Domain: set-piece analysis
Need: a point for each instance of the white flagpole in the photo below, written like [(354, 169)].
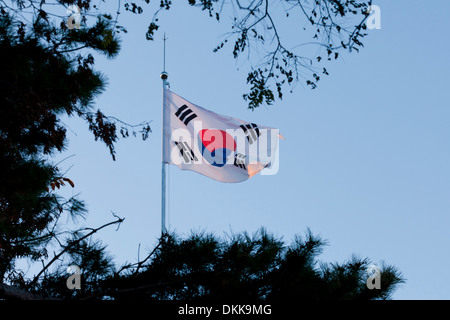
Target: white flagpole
[(164, 77)]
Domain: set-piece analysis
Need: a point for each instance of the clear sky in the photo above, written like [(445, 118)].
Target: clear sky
[(365, 163)]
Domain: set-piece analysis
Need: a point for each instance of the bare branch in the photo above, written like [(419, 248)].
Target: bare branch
[(71, 244)]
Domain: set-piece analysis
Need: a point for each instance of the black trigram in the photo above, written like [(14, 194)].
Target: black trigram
[(185, 114), (251, 131), (186, 151), (239, 160)]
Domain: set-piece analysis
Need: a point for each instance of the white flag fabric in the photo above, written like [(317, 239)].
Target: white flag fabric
[(220, 147)]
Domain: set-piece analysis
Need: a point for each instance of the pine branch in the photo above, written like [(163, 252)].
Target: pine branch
[(71, 244), (138, 264)]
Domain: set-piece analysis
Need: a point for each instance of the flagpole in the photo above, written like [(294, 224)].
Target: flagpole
[(164, 77)]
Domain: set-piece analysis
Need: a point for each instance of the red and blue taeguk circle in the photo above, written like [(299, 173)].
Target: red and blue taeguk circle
[(215, 146)]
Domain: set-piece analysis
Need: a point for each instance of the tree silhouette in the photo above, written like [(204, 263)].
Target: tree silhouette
[(47, 72), (331, 27), (204, 267)]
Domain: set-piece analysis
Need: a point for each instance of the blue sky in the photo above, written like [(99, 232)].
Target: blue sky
[(365, 163)]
